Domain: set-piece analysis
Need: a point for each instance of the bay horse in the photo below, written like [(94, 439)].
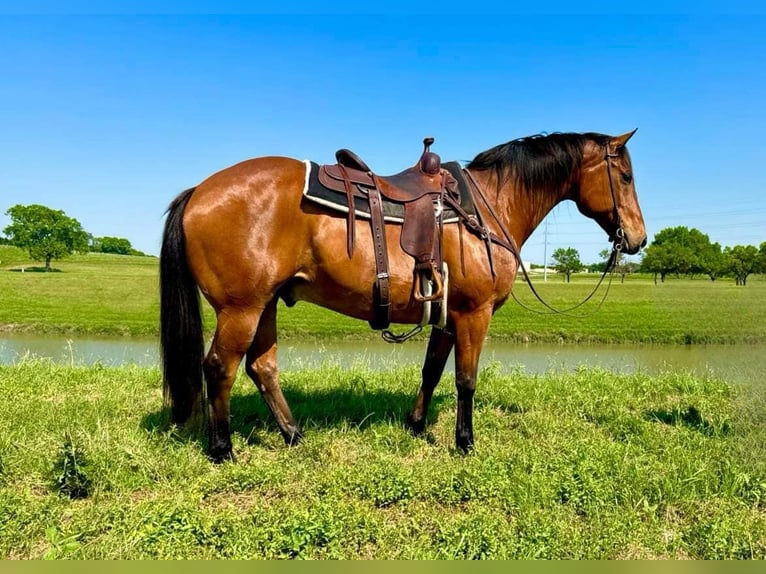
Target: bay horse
[(245, 237)]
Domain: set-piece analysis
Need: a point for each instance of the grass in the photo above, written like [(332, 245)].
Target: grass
[(93, 294), (679, 311), (101, 294), (584, 464)]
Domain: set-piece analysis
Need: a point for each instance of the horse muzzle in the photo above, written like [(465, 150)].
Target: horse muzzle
[(627, 242)]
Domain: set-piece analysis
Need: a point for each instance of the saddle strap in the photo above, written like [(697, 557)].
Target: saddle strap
[(350, 223), (381, 289)]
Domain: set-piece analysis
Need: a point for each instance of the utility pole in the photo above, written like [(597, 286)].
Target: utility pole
[(545, 253)]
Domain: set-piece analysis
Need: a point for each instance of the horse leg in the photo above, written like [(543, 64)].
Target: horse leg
[(261, 366), (234, 334), (470, 331), (439, 347)]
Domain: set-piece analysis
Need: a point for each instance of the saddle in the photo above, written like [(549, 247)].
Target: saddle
[(421, 189)]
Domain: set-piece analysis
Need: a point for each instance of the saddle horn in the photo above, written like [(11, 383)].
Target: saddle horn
[(430, 162)]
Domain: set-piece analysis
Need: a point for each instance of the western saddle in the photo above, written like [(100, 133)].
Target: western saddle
[(421, 189)]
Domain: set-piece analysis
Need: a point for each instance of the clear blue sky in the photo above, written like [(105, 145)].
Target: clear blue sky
[(108, 117)]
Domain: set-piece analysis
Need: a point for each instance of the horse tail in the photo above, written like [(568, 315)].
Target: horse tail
[(180, 319)]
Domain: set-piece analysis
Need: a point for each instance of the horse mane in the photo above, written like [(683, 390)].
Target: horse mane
[(542, 162)]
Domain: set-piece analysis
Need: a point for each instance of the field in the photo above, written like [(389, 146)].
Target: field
[(584, 464), (568, 465), (98, 294)]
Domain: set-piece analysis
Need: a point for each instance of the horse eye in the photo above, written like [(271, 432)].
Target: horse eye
[(626, 177)]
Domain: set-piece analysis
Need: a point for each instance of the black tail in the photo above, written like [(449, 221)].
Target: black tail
[(180, 318)]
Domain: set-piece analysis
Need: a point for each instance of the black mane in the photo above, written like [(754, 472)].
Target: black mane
[(539, 162)]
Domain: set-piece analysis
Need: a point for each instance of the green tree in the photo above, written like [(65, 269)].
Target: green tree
[(679, 246), (658, 260), (45, 233), (712, 261), (599, 266), (117, 245), (566, 260), (623, 264), (681, 251), (742, 260)]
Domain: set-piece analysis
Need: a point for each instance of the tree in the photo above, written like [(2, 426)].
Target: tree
[(117, 245), (600, 266), (567, 261), (712, 261), (624, 266), (45, 233), (742, 260), (658, 260), (680, 250)]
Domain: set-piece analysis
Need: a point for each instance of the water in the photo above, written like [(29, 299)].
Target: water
[(745, 363)]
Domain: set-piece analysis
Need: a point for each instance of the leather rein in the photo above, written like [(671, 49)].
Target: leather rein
[(508, 243)]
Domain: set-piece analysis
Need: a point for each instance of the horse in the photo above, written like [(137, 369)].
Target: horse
[(245, 237)]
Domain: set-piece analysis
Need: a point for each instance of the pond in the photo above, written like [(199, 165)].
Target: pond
[(741, 363)]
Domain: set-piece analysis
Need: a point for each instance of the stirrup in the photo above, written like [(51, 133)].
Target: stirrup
[(391, 337), (419, 290)]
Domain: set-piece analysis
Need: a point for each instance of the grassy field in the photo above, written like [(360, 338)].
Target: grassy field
[(586, 464), (99, 294)]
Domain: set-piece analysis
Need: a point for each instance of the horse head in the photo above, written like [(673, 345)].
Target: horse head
[(607, 192)]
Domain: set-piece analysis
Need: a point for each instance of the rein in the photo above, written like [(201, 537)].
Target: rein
[(510, 244)]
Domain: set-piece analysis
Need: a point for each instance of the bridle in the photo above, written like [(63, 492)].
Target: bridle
[(619, 234), (618, 241)]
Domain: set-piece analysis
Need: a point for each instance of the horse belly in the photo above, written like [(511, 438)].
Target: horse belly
[(345, 284)]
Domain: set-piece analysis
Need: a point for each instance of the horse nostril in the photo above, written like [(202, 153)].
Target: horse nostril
[(643, 243)]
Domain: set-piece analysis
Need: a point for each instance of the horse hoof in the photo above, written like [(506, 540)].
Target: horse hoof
[(464, 444), (416, 427), (219, 456), (293, 438)]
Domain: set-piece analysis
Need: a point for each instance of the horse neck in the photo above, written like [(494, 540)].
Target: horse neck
[(520, 210)]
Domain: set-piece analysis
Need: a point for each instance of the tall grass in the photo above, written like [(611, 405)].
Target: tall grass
[(99, 294), (583, 464)]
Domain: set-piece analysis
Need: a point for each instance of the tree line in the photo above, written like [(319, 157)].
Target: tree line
[(683, 251), (48, 234), (676, 251)]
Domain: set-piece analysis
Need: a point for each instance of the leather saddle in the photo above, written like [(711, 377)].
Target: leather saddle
[(421, 189), (409, 185)]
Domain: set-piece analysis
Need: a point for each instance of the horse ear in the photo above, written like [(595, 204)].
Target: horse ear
[(620, 141)]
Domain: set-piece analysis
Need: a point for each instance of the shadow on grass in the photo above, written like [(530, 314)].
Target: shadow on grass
[(314, 410), (34, 270), (689, 417)]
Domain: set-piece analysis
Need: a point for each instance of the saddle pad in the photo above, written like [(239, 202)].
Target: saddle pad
[(393, 212)]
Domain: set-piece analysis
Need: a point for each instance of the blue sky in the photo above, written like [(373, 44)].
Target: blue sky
[(109, 116)]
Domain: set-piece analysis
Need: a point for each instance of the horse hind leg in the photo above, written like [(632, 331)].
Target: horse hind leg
[(233, 335), (261, 366)]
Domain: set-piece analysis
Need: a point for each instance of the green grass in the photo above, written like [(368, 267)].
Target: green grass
[(99, 294), (96, 294), (679, 311), (586, 464)]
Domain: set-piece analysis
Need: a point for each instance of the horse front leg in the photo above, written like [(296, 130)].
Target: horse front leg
[(439, 347), (470, 332)]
